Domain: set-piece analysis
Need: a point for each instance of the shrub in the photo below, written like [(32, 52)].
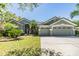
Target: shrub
[(5, 33), (77, 33), (33, 52), (1, 34), (14, 33), (9, 26)]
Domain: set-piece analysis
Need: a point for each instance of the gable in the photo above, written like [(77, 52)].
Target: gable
[(51, 20), (63, 21), (24, 21), (55, 19)]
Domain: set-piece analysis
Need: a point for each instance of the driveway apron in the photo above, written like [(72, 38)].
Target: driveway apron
[(68, 46)]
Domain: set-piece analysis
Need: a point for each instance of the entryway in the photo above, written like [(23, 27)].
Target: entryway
[(27, 29)]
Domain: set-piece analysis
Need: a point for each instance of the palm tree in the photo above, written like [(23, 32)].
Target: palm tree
[(75, 12), (33, 27)]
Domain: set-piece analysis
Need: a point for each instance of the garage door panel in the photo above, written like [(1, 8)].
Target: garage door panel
[(44, 32), (63, 32)]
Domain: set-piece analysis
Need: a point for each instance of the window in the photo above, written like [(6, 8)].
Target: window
[(68, 27), (54, 27), (64, 27), (59, 27)]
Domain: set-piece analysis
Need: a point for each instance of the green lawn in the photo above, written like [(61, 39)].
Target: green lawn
[(26, 42)]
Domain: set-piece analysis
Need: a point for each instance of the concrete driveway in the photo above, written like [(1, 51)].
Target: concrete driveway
[(69, 46)]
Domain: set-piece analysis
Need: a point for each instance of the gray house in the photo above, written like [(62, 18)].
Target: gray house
[(57, 26)]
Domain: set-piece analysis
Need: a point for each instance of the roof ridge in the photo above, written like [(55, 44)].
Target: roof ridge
[(55, 17)]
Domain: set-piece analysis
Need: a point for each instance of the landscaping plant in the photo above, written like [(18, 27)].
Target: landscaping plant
[(33, 52), (77, 33), (14, 33)]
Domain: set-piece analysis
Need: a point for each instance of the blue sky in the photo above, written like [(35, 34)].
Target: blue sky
[(46, 11)]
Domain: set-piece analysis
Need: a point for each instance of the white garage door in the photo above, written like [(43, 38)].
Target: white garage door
[(63, 31), (44, 32)]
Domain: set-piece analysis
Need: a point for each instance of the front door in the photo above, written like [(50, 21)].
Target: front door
[(27, 28)]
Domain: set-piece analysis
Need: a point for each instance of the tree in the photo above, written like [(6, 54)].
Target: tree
[(75, 12), (22, 6), (76, 22), (7, 17), (2, 8), (30, 6), (33, 27)]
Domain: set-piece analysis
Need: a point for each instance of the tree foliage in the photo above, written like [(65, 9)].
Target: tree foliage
[(33, 27), (75, 12), (30, 6), (9, 26), (76, 22), (7, 18), (14, 33), (4, 14)]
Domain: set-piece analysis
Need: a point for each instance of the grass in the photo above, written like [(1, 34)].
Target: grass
[(26, 42)]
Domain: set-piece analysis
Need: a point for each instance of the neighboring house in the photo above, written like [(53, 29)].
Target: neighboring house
[(57, 26)]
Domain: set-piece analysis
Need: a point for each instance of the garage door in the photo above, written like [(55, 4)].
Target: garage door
[(63, 31), (44, 32)]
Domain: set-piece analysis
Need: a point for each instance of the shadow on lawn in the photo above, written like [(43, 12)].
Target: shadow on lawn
[(10, 39)]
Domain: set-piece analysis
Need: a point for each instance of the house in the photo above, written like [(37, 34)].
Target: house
[(57, 26)]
